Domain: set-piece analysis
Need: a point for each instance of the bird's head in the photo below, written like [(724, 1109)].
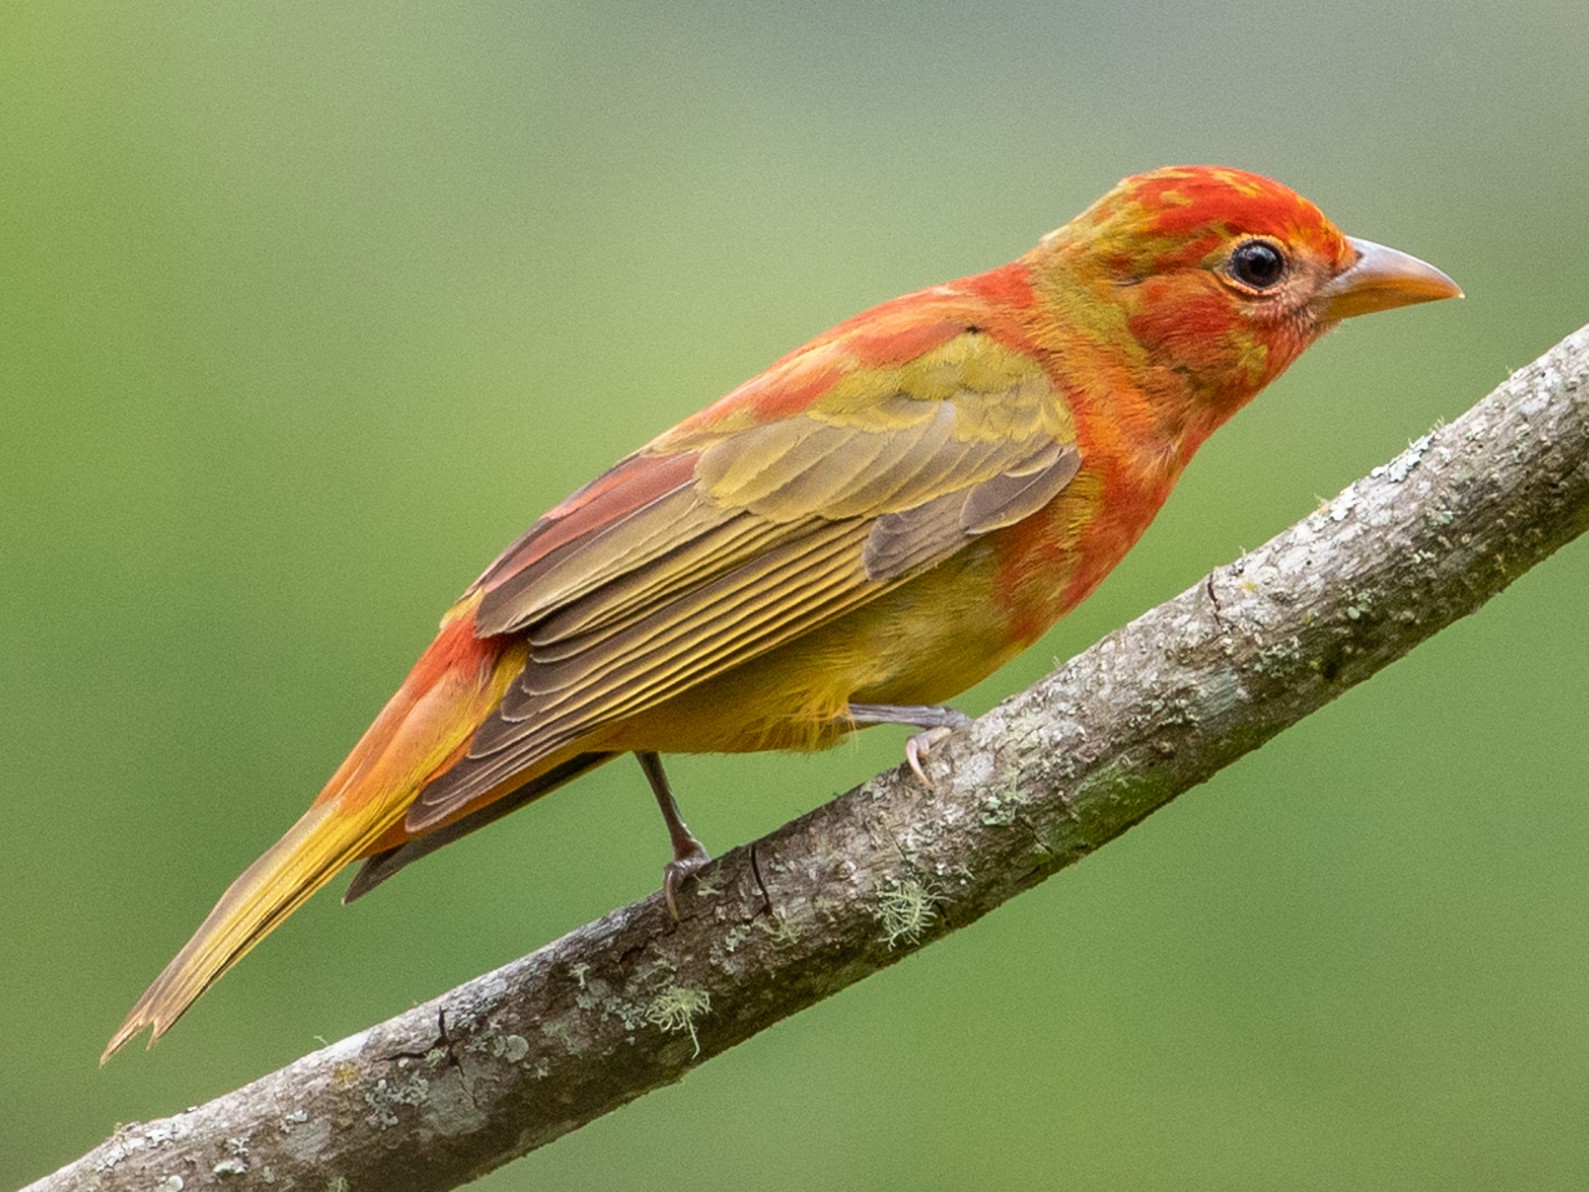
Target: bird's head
[(1223, 277)]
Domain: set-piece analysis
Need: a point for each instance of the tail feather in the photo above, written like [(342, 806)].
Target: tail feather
[(274, 886), (456, 684)]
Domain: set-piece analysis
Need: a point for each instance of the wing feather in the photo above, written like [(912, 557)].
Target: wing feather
[(644, 587), (1009, 497), (713, 644), (694, 630), (724, 539)]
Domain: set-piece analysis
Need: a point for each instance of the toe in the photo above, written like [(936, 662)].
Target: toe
[(676, 870), (919, 746)]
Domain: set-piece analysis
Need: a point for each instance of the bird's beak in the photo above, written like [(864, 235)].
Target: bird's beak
[(1381, 279)]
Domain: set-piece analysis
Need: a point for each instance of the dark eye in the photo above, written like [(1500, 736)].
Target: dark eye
[(1258, 264)]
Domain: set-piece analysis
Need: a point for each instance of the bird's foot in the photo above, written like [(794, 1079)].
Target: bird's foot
[(937, 722), (919, 746), (689, 854), (684, 864)]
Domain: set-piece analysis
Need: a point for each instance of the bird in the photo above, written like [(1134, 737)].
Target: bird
[(880, 519)]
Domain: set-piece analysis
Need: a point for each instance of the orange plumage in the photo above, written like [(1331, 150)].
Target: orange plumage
[(873, 524)]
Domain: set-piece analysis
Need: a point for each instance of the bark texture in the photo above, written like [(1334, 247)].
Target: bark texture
[(514, 1059)]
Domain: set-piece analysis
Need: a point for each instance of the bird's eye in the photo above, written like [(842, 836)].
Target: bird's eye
[(1257, 264)]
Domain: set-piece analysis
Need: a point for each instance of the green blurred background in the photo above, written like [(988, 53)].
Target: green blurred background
[(305, 310)]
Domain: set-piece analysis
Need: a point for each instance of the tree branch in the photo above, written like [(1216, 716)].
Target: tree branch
[(514, 1059)]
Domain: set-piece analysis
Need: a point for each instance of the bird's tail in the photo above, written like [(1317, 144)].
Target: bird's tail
[(422, 731), (270, 889)]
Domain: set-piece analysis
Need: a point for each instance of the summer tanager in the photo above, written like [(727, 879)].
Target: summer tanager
[(875, 523)]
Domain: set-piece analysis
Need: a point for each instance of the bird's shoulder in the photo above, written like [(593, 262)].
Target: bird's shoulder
[(966, 344)]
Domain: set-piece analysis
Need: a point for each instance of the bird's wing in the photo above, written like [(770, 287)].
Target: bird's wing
[(851, 465)]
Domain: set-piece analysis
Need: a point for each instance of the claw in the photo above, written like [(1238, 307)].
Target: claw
[(938, 723), (919, 746), (676, 870)]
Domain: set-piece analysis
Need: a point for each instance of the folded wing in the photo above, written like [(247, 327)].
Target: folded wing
[(755, 522)]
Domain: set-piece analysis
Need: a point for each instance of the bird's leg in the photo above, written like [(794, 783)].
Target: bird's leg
[(689, 855), (937, 722)]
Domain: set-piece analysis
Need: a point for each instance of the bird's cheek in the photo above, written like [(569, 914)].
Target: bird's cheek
[(1187, 329), (1277, 347)]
